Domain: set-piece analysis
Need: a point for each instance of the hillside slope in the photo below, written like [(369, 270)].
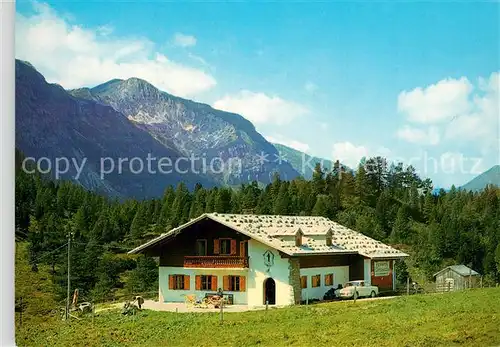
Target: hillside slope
[(467, 318), (302, 162), (194, 129), (489, 177), (52, 123)]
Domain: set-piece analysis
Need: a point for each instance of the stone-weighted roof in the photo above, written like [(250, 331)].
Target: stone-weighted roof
[(275, 231)]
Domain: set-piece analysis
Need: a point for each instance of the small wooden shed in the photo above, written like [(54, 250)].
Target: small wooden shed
[(456, 277)]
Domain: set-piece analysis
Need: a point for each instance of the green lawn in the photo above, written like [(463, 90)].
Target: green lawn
[(469, 318)]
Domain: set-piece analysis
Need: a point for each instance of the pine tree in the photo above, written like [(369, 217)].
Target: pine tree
[(322, 207), (223, 201), (400, 229), (166, 210), (282, 200), (139, 224), (428, 209), (318, 180), (198, 203), (181, 205)]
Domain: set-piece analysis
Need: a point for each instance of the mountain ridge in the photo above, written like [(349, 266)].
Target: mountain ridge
[(296, 158), (52, 124), (194, 128), (131, 118), (488, 177)]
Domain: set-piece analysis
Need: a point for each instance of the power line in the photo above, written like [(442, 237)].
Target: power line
[(104, 244), (49, 253)]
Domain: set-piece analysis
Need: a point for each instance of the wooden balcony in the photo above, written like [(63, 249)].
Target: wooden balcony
[(216, 261)]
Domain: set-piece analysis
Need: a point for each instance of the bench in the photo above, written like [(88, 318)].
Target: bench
[(228, 298)]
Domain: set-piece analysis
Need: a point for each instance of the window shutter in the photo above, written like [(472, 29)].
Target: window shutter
[(216, 246), (242, 249), (233, 247), (303, 281), (242, 284), (225, 283), (170, 281), (214, 283), (198, 282), (186, 282)]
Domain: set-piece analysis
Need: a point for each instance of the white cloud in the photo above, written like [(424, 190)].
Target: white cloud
[(419, 136), (481, 125), (436, 103), (260, 108), (466, 115), (300, 146), (74, 56), (183, 40), (349, 154), (310, 87)]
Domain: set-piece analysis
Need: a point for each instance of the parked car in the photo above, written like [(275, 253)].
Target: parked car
[(356, 289)]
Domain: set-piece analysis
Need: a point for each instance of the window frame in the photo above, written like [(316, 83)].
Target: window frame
[(303, 282), (234, 283), (206, 247), (208, 279), (176, 282), (316, 281), (298, 240), (329, 280), (221, 241)]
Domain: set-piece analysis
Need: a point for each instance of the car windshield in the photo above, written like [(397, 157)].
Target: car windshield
[(352, 284)]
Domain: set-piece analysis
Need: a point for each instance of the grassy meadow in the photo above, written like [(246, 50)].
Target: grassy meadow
[(468, 318)]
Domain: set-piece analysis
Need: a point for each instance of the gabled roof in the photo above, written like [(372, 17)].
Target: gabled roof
[(267, 229), (459, 269)]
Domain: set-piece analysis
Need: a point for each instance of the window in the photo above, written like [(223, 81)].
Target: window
[(201, 247), (303, 281), (328, 240), (206, 282), (178, 282), (316, 280), (225, 246), (329, 280), (298, 239), (234, 283)]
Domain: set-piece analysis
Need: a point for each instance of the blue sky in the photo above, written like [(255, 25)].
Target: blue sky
[(340, 80)]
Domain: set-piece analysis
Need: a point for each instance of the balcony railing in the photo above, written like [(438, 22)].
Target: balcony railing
[(229, 261)]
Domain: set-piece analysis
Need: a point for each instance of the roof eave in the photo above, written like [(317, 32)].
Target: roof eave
[(174, 231), (384, 256), (299, 254)]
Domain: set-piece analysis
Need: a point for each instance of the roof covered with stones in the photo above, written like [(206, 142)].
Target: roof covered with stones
[(275, 231)]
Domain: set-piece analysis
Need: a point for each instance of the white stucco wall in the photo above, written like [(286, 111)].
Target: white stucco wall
[(340, 276), (255, 275), (368, 271), (168, 295), (259, 272), (393, 275)]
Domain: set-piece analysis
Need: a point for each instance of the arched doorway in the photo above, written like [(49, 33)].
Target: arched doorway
[(269, 291)]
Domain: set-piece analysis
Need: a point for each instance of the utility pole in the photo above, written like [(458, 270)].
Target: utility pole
[(69, 279)]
